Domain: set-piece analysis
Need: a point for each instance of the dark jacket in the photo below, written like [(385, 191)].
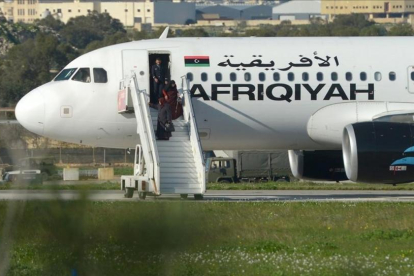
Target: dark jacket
[(159, 72), (164, 114)]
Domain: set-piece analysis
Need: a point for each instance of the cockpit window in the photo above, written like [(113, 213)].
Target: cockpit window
[(99, 75), (83, 75), (65, 74)]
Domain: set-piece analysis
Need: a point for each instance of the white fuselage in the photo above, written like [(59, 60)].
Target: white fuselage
[(272, 113)]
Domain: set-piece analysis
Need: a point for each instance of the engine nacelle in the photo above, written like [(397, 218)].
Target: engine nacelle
[(324, 165), (379, 152)]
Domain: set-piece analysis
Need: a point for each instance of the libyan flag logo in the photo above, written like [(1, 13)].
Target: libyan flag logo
[(197, 61)]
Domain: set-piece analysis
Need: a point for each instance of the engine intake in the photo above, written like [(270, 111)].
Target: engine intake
[(326, 165), (379, 152)]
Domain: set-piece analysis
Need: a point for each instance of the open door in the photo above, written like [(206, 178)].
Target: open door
[(410, 73), (136, 61)]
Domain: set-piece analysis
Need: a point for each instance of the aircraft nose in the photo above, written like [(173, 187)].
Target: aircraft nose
[(30, 111)]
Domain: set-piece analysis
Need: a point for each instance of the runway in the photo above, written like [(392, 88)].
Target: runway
[(215, 195)]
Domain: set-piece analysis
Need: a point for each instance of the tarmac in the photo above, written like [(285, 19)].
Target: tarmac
[(215, 195)]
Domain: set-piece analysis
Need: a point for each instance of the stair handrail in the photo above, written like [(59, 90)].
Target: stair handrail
[(148, 139), (189, 116)]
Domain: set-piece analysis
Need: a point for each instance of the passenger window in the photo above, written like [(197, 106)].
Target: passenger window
[(65, 74), (204, 76), (219, 77), (305, 76), (262, 77), (99, 75), (412, 76), (291, 77), (247, 77), (334, 76), (276, 77), (233, 76), (363, 76), (83, 75), (319, 76), (378, 76), (393, 76), (190, 77), (348, 76)]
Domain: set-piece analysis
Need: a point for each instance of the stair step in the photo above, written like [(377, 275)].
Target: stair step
[(169, 165), (168, 148), (179, 138), (179, 181), (181, 190), (174, 185), (177, 175), (174, 143), (177, 154), (179, 170), (176, 159)]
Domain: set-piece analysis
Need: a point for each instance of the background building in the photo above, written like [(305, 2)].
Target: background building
[(234, 12), (379, 10), (298, 10)]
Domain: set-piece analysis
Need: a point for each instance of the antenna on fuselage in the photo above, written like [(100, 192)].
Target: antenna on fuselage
[(165, 33)]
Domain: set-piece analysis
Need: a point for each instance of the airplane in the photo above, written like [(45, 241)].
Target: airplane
[(342, 106)]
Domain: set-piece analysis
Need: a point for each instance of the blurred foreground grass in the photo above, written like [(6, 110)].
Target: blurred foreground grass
[(207, 238)]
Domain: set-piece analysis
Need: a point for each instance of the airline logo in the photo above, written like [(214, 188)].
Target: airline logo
[(197, 61)]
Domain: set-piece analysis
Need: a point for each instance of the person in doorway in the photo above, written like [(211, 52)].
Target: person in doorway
[(164, 117), (170, 93), (159, 76)]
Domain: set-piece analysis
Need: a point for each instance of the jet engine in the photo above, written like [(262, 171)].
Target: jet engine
[(379, 152), (324, 165)]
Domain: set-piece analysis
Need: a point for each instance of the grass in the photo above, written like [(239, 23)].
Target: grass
[(88, 186), (211, 238)]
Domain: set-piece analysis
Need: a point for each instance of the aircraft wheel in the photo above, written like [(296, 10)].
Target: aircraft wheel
[(198, 197), (129, 192), (184, 196), (142, 195)]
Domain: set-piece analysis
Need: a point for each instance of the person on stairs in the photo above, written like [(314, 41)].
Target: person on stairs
[(164, 118), (170, 93), (159, 74)]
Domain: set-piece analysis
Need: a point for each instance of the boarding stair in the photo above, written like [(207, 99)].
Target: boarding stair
[(175, 166)]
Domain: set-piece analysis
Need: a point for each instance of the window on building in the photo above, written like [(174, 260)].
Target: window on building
[(78, 10), (138, 10), (83, 75), (219, 77), (276, 76), (69, 10), (392, 76), (59, 10), (190, 77), (100, 75), (334, 76), (247, 77), (348, 76), (305, 76), (148, 10), (319, 76), (126, 10), (262, 76), (233, 76), (291, 76), (204, 76)]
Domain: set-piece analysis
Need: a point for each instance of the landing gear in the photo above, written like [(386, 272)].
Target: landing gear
[(184, 196), (129, 192), (142, 195), (198, 197)]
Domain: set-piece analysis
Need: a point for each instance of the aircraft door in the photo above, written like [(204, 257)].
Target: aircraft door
[(136, 61), (410, 76)]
